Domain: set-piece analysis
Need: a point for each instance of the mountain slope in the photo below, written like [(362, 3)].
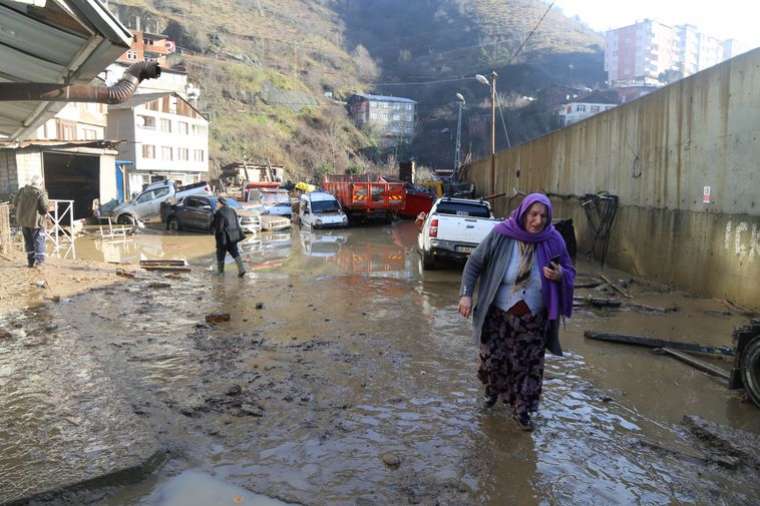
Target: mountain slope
[(265, 65)]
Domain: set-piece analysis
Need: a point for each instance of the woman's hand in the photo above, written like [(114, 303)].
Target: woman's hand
[(465, 306), (553, 272)]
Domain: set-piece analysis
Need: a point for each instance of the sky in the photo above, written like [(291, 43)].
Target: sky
[(724, 19)]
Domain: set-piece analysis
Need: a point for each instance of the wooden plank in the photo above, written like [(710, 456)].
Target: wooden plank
[(698, 364), (615, 287), (164, 262), (167, 268), (650, 342)]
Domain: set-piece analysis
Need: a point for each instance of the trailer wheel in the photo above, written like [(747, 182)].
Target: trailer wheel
[(750, 369)]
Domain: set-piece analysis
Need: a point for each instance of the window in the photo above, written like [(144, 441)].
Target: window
[(161, 192), (132, 55), (166, 125), (65, 130), (166, 153), (463, 209), (145, 197), (147, 122), (153, 105), (149, 151), (580, 108), (90, 134), (183, 154), (594, 108), (199, 155), (184, 127)]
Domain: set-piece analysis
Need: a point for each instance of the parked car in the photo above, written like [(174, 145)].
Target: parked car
[(196, 212), (453, 229), (321, 210), (280, 209), (148, 203)]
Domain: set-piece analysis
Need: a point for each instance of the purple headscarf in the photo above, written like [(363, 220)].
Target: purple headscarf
[(558, 296)]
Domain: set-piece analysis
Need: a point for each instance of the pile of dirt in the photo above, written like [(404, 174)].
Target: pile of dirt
[(56, 279)]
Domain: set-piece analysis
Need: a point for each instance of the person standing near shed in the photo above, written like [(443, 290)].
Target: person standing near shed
[(31, 203), (526, 285), (227, 233)]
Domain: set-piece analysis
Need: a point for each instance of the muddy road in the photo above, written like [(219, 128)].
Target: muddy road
[(345, 376)]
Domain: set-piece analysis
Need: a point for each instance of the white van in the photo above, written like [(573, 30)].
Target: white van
[(320, 210)]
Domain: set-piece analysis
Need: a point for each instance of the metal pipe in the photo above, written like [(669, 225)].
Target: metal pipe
[(53, 92)]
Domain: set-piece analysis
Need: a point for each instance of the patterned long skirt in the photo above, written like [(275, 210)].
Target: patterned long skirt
[(512, 359)]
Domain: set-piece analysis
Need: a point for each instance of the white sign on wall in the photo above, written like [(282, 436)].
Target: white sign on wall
[(706, 195)]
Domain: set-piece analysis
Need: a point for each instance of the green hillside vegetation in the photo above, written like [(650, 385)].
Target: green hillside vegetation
[(264, 67)]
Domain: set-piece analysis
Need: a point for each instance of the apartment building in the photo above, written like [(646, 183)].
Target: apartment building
[(165, 137), (393, 117), (652, 53)]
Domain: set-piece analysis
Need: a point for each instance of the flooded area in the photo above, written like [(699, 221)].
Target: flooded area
[(345, 376)]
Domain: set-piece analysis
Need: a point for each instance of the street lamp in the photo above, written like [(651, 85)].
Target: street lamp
[(491, 84), (458, 148)]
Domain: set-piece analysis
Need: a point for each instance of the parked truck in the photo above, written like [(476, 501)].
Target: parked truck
[(453, 229), (148, 203), (367, 196)]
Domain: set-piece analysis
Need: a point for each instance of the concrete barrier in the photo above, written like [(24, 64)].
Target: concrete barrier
[(684, 162)]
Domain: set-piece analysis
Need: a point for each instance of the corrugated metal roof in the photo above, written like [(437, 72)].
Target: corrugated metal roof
[(64, 41), (386, 98)]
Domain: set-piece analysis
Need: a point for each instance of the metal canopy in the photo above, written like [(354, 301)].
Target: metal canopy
[(66, 41)]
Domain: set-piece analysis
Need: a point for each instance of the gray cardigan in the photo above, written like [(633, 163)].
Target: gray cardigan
[(488, 263)]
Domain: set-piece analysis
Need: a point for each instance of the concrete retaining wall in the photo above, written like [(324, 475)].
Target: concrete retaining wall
[(658, 154)]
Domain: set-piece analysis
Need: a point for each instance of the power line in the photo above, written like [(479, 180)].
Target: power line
[(519, 49), (503, 123), (425, 82)]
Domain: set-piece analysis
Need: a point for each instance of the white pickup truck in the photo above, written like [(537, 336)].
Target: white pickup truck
[(453, 229)]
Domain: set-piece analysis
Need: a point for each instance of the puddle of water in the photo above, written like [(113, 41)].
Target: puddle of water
[(194, 488)]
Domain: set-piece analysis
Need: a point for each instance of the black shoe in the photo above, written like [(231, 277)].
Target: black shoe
[(490, 400), (524, 422)]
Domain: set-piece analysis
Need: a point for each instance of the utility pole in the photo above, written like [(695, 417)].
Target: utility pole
[(492, 83), (458, 148), (494, 75)]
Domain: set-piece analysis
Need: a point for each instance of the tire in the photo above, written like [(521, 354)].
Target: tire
[(428, 261), (750, 369), (125, 219), (173, 225)]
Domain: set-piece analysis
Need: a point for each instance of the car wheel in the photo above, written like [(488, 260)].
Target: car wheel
[(750, 369), (173, 225), (125, 219), (428, 261)]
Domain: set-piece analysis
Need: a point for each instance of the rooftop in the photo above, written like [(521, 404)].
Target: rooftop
[(386, 98)]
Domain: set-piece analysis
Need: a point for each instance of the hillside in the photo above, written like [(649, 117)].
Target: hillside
[(265, 66)]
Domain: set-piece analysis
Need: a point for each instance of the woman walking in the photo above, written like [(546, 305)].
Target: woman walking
[(526, 284), (227, 233)]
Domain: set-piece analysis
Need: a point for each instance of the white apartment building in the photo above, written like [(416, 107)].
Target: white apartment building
[(640, 53), (165, 138)]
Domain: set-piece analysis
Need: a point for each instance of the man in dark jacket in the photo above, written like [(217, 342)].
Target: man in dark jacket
[(31, 205), (228, 233)]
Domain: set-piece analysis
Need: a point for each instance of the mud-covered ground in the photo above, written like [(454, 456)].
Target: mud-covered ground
[(345, 376)]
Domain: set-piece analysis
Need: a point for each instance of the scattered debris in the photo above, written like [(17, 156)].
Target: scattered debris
[(217, 317), (259, 305), (41, 284), (725, 445), (651, 342), (615, 287), (696, 363), (159, 286), (125, 274), (4, 334), (596, 302), (234, 390), (172, 265), (652, 309), (391, 459)]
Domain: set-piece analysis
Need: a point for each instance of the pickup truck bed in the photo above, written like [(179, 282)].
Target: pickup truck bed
[(453, 229)]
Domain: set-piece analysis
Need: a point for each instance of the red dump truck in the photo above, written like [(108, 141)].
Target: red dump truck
[(367, 196)]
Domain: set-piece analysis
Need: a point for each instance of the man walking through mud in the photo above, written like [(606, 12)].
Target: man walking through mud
[(31, 205), (227, 233)]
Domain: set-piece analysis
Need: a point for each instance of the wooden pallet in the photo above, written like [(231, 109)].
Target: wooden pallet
[(171, 265)]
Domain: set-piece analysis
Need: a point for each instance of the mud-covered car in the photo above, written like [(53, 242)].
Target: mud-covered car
[(196, 212)]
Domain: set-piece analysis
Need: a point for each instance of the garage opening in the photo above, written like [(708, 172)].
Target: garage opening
[(73, 177)]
